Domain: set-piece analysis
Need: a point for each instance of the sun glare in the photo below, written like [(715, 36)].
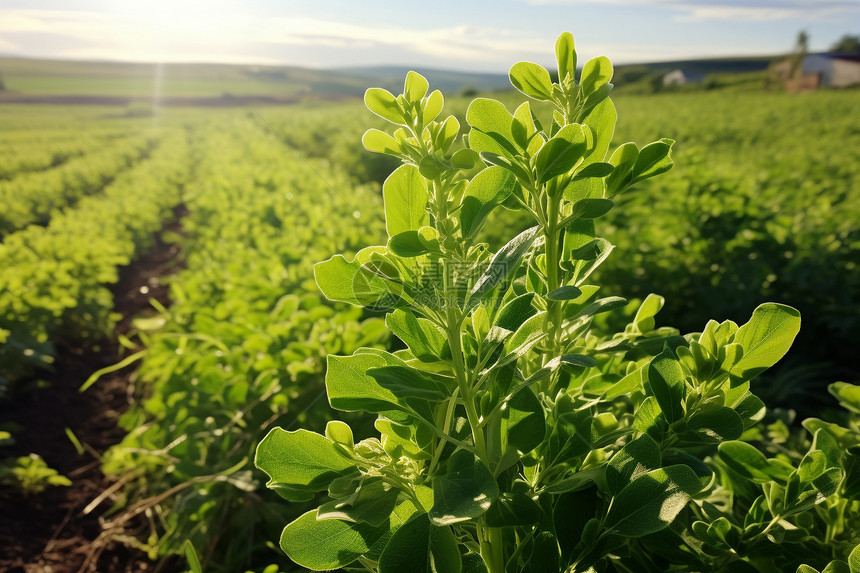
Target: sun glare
[(168, 30)]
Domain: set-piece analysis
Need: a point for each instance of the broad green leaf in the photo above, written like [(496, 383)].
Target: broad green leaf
[(847, 394), (652, 501), (837, 567), (405, 196), (746, 460), (407, 244), (712, 424), (526, 336), (339, 433), (583, 267), (578, 360), (666, 383), (806, 569), (648, 419), (634, 459), (765, 338), (447, 133), (854, 560), (516, 312), (578, 234), (424, 339), (813, 464), (351, 389), (428, 237), (600, 306), (532, 80), (465, 491), (579, 481), (380, 142), (591, 208), (503, 264), (430, 167), (515, 166), (411, 440), (596, 73), (473, 563), (561, 153), (465, 158), (513, 509), (601, 119), (565, 55), (485, 192), (624, 159), (300, 460), (632, 382), (491, 127), (415, 87), (751, 410), (822, 440), (674, 456), (523, 424), (523, 128), (433, 106), (356, 281), (384, 104), (399, 517), (406, 383), (827, 483), (570, 436), (587, 252), (644, 319), (567, 292), (420, 547), (371, 503), (653, 159), (594, 170), (594, 99), (844, 436), (326, 544)]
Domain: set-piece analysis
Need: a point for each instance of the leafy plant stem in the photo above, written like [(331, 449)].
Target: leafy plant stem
[(454, 320), (776, 519), (495, 560), (446, 428), (516, 554), (553, 314), (463, 384)]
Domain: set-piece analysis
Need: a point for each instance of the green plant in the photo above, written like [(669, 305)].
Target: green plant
[(516, 431), (241, 347), (30, 475)]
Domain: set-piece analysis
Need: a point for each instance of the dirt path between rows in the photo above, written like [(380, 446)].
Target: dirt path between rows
[(50, 533)]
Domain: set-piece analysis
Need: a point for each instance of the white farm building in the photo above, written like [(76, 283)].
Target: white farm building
[(833, 70)]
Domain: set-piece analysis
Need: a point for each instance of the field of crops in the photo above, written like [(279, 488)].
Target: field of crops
[(763, 204)]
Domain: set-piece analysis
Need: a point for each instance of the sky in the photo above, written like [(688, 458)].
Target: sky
[(468, 35)]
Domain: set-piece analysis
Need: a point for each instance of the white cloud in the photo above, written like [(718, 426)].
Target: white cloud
[(196, 32), (750, 11)]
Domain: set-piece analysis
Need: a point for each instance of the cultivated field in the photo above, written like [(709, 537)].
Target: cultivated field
[(162, 261)]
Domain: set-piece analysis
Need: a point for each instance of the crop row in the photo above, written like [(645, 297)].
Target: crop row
[(243, 345), (54, 280), (33, 198), (26, 157), (759, 207)]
